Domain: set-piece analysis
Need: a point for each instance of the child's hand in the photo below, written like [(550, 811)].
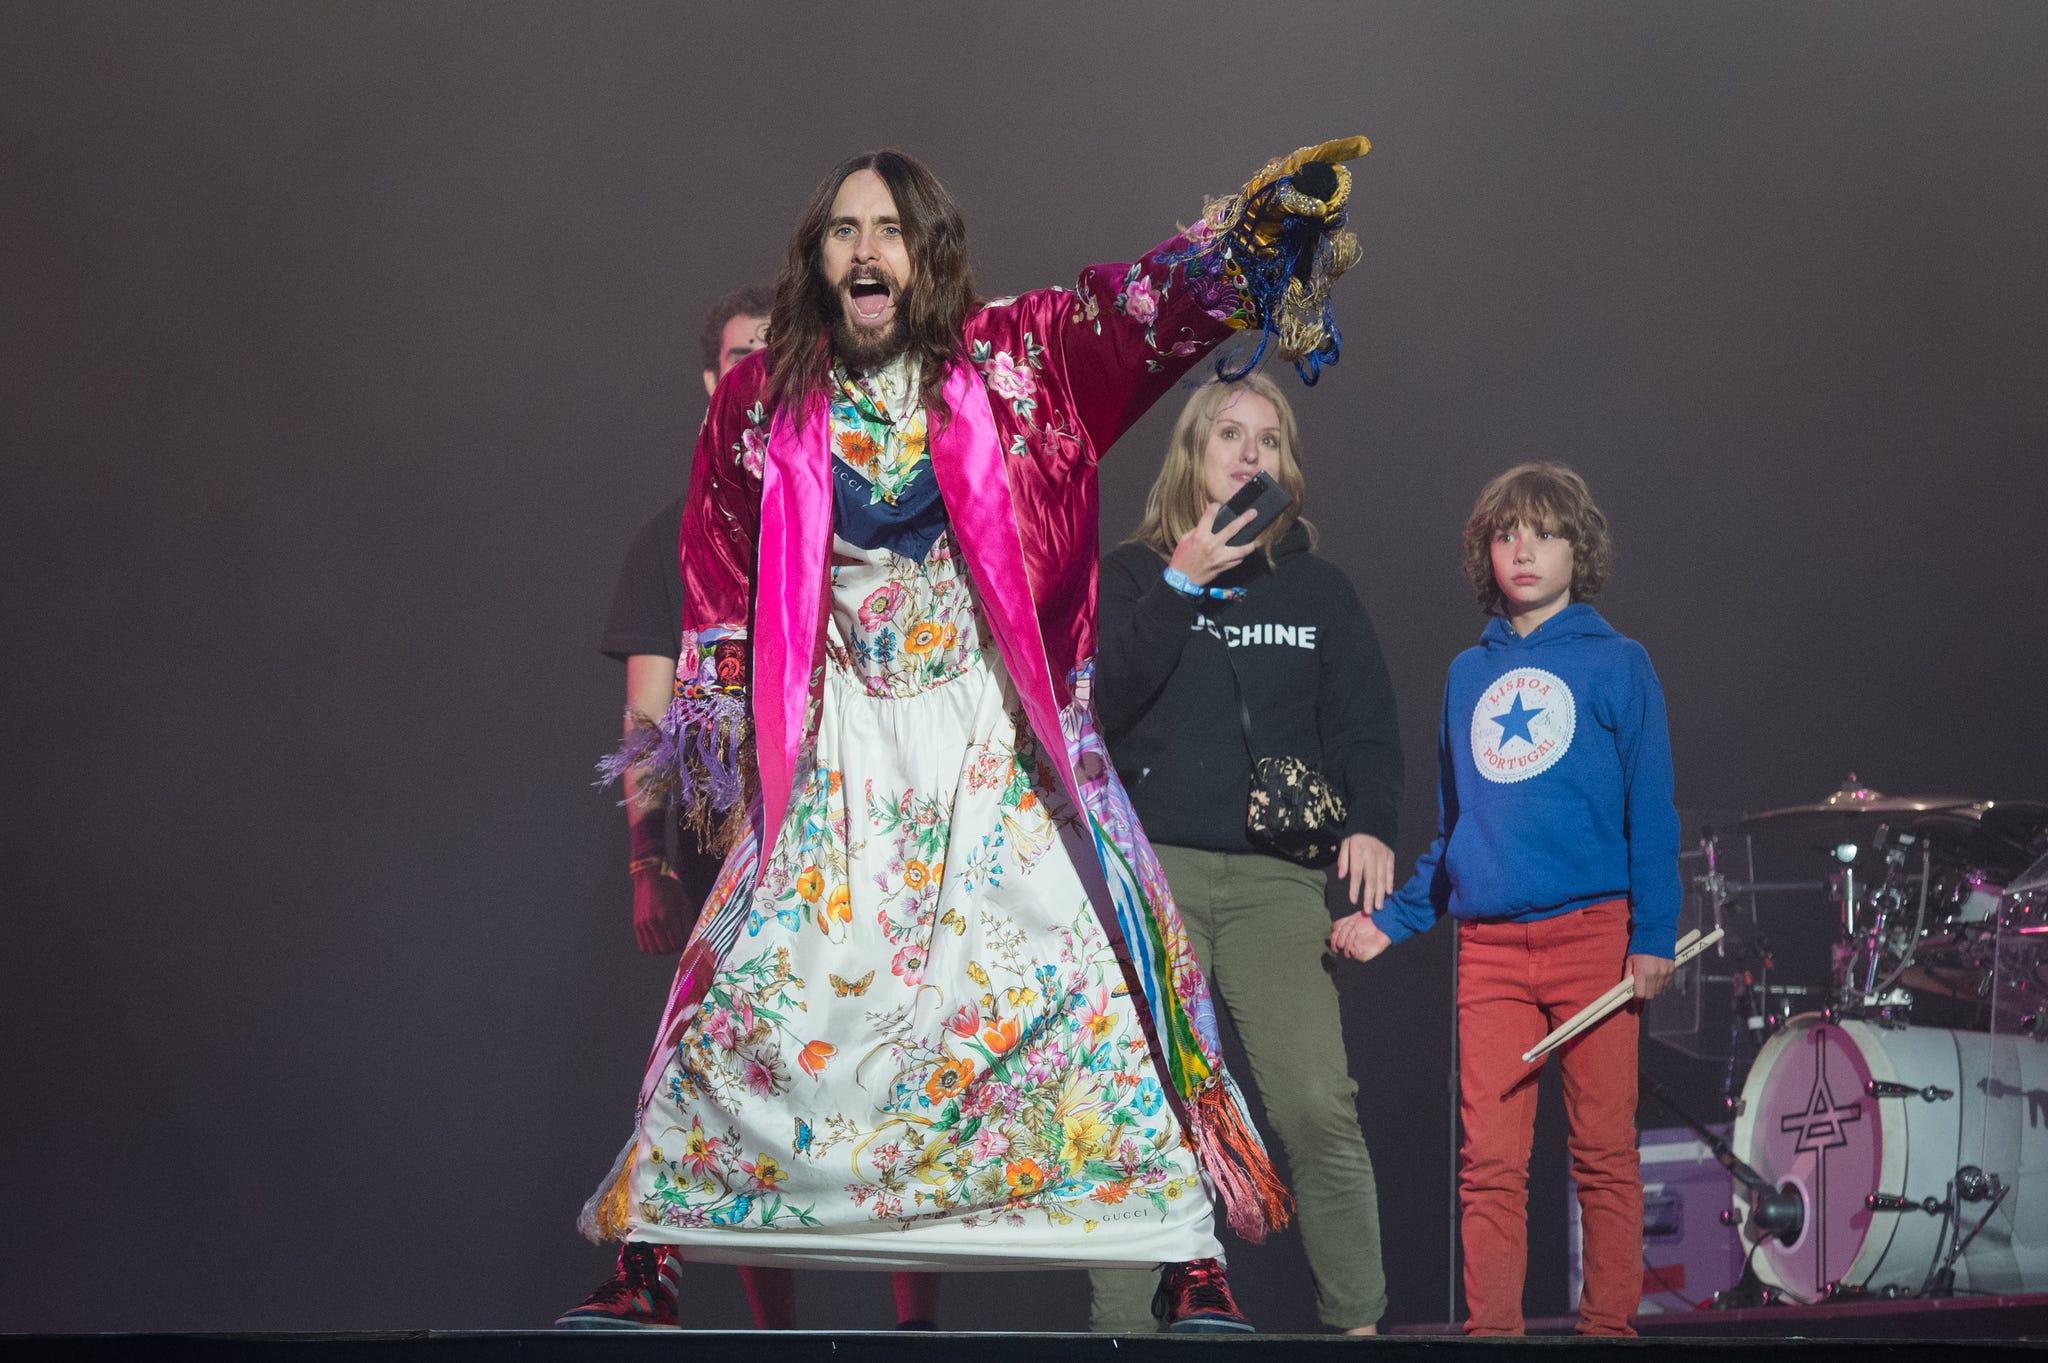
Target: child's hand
[(1358, 937), (1652, 973)]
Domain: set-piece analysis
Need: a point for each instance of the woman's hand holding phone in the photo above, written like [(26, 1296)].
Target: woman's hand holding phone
[(1205, 554)]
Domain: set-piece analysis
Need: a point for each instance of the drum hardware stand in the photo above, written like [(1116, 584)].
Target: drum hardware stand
[(1895, 860), (1757, 1009), (1749, 1010), (1970, 1184), (1749, 1290), (1871, 1000), (1892, 1011), (1715, 884), (1754, 994), (1750, 991)]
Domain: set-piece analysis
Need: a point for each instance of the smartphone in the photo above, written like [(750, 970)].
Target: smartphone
[(1260, 494)]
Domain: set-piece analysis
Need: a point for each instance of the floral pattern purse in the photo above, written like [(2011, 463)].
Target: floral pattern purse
[(1292, 810)]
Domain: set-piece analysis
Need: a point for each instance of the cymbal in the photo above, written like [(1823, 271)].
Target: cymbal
[(2022, 822), (1855, 798)]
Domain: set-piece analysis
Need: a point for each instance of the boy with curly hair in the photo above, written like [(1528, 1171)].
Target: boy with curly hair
[(1557, 852)]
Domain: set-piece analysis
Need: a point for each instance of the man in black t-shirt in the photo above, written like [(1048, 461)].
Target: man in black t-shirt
[(645, 632)]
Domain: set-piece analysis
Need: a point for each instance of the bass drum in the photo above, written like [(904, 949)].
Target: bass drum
[(1809, 1118)]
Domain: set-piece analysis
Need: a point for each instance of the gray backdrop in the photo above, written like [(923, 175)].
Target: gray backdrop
[(345, 345)]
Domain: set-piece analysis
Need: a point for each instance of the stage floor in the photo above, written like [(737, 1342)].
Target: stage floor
[(1878, 1341), (2011, 1318)]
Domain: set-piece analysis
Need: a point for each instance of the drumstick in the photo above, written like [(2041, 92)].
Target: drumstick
[(1598, 1008), (1689, 946)]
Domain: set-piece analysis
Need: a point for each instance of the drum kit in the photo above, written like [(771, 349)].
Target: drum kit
[(1891, 1134)]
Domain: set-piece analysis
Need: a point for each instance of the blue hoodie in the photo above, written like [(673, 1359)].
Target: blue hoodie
[(1554, 785)]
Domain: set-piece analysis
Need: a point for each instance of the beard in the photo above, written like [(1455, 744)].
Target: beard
[(863, 349)]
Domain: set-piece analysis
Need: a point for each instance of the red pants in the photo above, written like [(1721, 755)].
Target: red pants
[(1517, 981)]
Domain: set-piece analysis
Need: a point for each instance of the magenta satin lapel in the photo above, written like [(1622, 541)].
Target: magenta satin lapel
[(967, 456), (796, 530)]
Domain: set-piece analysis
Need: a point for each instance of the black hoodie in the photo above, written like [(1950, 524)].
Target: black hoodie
[(1313, 679)]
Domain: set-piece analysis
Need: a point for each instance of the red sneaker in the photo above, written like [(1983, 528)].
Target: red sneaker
[(640, 1296), (1194, 1299)]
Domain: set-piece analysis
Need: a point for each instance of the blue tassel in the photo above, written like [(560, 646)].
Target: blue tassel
[(1264, 274)]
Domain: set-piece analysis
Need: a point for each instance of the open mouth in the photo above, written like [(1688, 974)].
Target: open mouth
[(869, 299)]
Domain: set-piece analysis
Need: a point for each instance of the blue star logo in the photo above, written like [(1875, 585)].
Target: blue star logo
[(1514, 722)]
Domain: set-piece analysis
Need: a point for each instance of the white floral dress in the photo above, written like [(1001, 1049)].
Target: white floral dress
[(920, 1050)]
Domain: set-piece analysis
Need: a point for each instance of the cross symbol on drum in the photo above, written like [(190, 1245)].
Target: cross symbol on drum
[(1819, 1127)]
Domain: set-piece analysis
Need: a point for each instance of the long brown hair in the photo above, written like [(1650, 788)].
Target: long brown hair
[(1550, 497), (937, 297), (1181, 492)]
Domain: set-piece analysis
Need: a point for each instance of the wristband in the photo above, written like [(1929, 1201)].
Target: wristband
[(634, 868), (1186, 586)]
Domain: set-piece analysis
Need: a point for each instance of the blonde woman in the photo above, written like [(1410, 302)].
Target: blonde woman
[(1189, 625)]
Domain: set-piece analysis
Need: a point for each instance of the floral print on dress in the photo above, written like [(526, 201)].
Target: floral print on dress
[(878, 428), (810, 884), (914, 627), (924, 1016), (1036, 1095)]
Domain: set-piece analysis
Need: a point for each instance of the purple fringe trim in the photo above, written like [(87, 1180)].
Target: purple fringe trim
[(719, 721), (708, 727)]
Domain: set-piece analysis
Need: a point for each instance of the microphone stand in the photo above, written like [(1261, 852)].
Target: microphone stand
[(1779, 1213)]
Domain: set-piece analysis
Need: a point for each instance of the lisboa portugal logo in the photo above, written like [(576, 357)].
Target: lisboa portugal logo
[(1522, 724)]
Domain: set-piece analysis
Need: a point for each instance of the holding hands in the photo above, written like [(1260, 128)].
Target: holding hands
[(1365, 867), (1358, 937)]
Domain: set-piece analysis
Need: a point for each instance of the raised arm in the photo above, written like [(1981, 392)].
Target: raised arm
[(1261, 259)]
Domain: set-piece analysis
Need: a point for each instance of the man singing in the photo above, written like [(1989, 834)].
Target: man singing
[(938, 1011)]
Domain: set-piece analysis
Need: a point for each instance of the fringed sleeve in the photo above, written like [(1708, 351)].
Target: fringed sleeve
[(1281, 243), (699, 756)]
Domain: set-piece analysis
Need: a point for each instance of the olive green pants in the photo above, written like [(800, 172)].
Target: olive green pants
[(1260, 927)]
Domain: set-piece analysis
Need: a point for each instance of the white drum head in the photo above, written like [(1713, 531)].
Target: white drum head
[(1809, 1120)]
